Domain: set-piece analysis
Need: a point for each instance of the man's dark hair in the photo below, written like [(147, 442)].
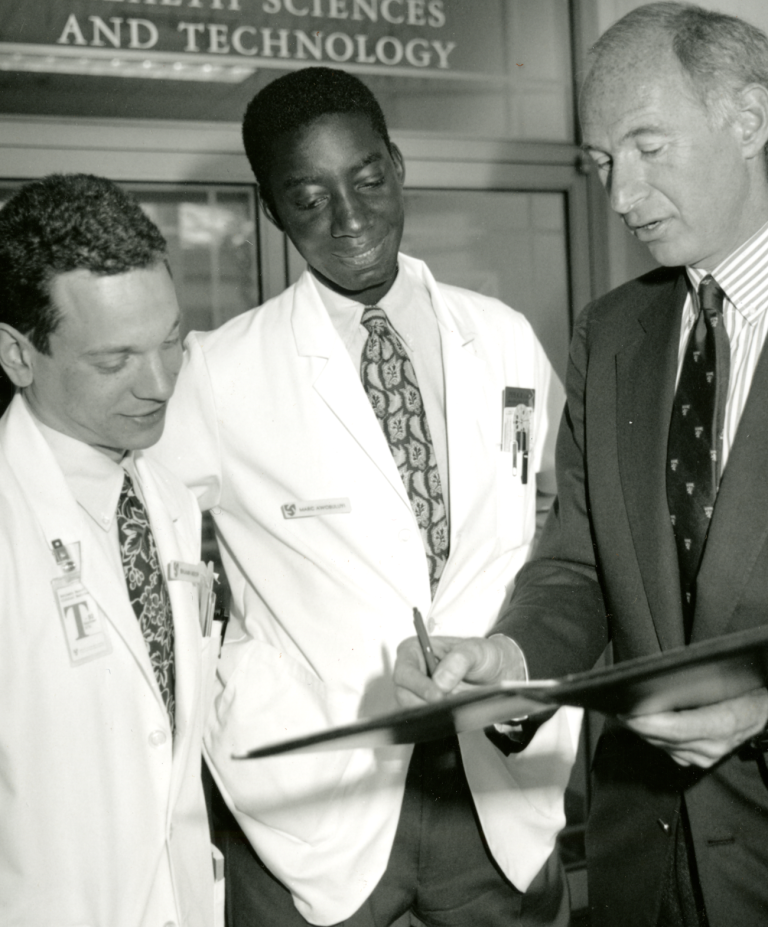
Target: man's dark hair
[(295, 100), (61, 223)]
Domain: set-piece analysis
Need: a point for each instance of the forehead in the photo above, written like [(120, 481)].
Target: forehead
[(622, 101), (335, 141), (105, 310)]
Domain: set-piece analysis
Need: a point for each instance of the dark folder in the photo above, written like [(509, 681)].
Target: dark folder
[(686, 677)]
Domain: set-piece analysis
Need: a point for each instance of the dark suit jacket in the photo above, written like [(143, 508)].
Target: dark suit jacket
[(606, 569)]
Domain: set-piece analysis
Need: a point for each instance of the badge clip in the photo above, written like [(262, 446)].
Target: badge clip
[(63, 557)]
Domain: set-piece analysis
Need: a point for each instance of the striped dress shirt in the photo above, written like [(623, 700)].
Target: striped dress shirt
[(743, 277)]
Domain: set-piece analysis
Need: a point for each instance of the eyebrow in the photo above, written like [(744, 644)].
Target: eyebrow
[(128, 348), (633, 133), (310, 180)]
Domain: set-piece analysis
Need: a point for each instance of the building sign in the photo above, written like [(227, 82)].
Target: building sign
[(230, 39)]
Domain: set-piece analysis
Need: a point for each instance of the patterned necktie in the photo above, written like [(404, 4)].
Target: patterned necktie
[(390, 383), (696, 439), (147, 590)]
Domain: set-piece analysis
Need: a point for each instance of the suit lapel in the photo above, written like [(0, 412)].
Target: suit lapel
[(336, 381), (59, 516), (739, 528), (646, 370)]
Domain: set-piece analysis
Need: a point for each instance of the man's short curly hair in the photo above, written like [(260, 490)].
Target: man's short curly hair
[(61, 223), (295, 100)]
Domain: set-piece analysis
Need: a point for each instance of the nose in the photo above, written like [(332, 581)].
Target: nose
[(349, 218), (626, 185), (158, 375)]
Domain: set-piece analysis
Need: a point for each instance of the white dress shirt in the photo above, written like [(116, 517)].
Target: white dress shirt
[(743, 277)]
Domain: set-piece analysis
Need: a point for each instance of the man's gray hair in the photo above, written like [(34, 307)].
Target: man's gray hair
[(720, 54)]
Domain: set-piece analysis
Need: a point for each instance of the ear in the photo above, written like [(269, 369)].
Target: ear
[(16, 356), (269, 211), (399, 161), (752, 120)]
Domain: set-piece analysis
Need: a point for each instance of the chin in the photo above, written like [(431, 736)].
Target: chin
[(142, 441), (668, 257)]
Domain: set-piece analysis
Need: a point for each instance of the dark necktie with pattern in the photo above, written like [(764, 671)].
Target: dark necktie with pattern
[(696, 439), (147, 590), (390, 383)]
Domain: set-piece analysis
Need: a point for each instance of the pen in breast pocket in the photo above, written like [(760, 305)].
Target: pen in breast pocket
[(426, 645)]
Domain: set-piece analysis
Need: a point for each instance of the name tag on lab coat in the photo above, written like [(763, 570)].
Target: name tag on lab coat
[(83, 624), (299, 509)]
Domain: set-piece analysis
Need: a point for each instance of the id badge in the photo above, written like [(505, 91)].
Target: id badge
[(81, 619), (83, 625)]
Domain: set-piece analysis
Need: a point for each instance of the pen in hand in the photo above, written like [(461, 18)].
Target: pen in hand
[(425, 643)]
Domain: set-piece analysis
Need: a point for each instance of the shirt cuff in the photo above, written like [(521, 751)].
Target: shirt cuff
[(514, 659)]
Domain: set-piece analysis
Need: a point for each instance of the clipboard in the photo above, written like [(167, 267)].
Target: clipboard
[(699, 674)]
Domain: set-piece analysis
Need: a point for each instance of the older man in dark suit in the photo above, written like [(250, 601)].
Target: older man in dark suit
[(660, 533)]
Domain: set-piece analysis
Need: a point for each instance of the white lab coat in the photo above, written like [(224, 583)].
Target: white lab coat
[(102, 815), (269, 411)]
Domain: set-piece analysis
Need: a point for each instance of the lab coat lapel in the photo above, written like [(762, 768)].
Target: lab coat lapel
[(337, 382), (166, 525), (645, 371), (59, 516), (465, 400)]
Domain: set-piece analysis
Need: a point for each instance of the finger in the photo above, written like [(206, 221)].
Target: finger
[(656, 727), (407, 698), (454, 667), (732, 721), (700, 753), (444, 645), (412, 685), (692, 758), (681, 759)]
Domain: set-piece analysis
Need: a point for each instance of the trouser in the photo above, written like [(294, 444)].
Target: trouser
[(440, 868)]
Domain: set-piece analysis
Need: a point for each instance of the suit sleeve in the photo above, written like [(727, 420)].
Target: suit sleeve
[(556, 613), (190, 445)]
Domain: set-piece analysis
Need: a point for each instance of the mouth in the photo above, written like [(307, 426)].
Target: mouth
[(148, 418), (361, 257), (647, 229)]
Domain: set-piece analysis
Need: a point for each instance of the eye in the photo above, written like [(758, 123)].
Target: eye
[(309, 201), (602, 164), (112, 366)]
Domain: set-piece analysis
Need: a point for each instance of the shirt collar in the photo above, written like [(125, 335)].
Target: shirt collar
[(743, 275), (406, 304), (94, 478), (345, 310)]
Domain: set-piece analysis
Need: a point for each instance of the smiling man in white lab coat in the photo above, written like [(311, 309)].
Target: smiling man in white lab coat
[(103, 668), (355, 466)]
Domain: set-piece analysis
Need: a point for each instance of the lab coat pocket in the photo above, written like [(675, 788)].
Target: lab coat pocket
[(270, 696), (515, 501)]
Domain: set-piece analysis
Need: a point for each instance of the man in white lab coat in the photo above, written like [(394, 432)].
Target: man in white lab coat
[(104, 672), (336, 521)]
